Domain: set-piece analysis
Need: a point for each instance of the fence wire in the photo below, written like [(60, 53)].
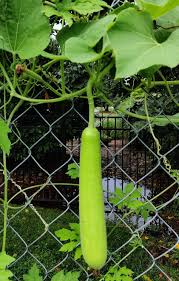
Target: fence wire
[(116, 153), (135, 230)]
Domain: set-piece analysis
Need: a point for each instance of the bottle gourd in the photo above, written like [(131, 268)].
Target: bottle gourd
[(92, 218)]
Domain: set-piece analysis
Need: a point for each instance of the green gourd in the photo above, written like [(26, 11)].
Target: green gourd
[(92, 218)]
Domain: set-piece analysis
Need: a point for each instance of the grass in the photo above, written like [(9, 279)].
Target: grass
[(29, 243)]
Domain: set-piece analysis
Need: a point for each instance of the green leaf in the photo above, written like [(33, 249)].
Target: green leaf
[(67, 32), (121, 274), (125, 271), (75, 227), (169, 20), (85, 36), (68, 247), (5, 143), (157, 8), (73, 171), (135, 204), (77, 50), (51, 11), (78, 253), (5, 260), (136, 193), (60, 276), (33, 274), (5, 275), (66, 234), (69, 276), (92, 32), (72, 235), (122, 7), (145, 210), (116, 197), (24, 29), (119, 193), (135, 47), (83, 7), (129, 187)]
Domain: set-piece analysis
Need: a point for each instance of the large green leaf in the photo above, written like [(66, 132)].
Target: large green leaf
[(157, 8), (91, 31), (135, 46), (24, 29), (79, 48), (170, 20)]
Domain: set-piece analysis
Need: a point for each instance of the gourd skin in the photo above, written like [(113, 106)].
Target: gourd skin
[(92, 218)]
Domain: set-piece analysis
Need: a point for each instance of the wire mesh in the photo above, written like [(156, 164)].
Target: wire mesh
[(135, 229)]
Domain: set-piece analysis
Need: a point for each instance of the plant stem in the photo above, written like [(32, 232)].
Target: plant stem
[(38, 186), (168, 88), (128, 254), (37, 77), (53, 57), (162, 83), (62, 77), (5, 204), (119, 223), (50, 4), (105, 71), (142, 117), (41, 101), (7, 77)]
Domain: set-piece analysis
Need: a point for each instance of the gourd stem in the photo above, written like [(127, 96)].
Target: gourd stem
[(90, 102)]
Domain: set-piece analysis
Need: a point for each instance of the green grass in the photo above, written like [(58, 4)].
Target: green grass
[(46, 249)]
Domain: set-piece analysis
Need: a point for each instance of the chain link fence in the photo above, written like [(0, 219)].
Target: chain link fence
[(38, 181), (44, 185)]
